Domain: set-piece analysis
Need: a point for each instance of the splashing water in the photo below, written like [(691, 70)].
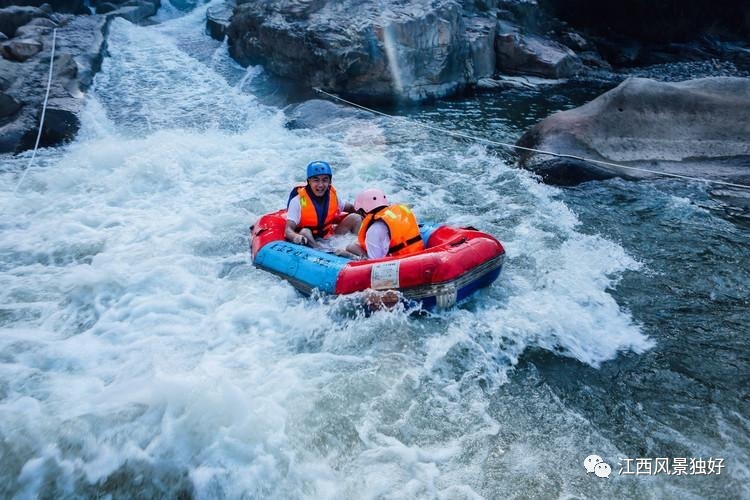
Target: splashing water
[(143, 354)]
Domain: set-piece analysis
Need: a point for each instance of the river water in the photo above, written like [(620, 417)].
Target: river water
[(142, 355)]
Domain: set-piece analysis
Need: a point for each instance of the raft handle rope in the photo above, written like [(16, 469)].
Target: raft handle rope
[(44, 110), (539, 151)]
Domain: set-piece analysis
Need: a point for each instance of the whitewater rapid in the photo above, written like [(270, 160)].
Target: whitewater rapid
[(143, 354)]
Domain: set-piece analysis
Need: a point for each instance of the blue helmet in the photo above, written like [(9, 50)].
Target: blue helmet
[(318, 168)]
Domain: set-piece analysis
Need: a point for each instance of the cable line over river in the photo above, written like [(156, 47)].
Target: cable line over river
[(523, 148)]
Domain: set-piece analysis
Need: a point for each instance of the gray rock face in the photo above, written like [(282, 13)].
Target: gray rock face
[(24, 67), (136, 12), (20, 49), (480, 35), (391, 49), (696, 127), (78, 55), (217, 19), (411, 50), (534, 55), (12, 18)]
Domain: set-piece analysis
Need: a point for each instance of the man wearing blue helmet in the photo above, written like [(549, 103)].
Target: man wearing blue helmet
[(314, 210)]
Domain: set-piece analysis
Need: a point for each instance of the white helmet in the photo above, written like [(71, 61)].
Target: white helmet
[(370, 199)]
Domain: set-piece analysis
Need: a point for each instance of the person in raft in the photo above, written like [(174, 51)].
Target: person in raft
[(314, 210), (386, 229)]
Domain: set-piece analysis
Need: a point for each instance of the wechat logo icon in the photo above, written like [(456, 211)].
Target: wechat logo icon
[(599, 467)]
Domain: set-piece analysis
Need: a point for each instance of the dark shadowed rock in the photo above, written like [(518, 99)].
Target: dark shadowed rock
[(106, 7), (20, 49), (12, 18), (217, 19), (136, 11), (531, 54), (317, 113), (696, 127), (480, 36), (78, 55), (392, 50), (79, 51), (662, 21), (65, 6), (8, 107)]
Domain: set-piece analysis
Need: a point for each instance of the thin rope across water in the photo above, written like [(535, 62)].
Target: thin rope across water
[(44, 110), (539, 151)]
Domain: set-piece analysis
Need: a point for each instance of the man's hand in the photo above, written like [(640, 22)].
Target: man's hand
[(300, 240), (344, 253)]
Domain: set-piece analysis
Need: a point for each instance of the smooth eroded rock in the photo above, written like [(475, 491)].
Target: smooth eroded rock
[(697, 127), (20, 49)]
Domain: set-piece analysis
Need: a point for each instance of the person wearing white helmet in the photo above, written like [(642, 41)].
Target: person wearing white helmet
[(314, 210), (387, 230)]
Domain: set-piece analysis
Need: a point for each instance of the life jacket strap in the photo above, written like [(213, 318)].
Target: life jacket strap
[(404, 244)]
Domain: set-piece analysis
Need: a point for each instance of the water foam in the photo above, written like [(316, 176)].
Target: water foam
[(139, 342)]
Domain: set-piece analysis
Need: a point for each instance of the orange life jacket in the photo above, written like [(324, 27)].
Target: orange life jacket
[(309, 213), (402, 225)]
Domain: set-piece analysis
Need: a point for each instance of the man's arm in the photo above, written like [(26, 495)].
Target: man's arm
[(293, 210), (291, 234)]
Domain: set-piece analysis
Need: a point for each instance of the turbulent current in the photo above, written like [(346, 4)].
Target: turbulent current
[(141, 354)]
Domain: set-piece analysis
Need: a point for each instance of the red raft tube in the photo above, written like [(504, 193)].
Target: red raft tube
[(455, 263)]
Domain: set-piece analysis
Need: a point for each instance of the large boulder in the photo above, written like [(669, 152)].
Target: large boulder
[(696, 127), (15, 16), (20, 49), (25, 60), (394, 50), (380, 51), (519, 52), (218, 17)]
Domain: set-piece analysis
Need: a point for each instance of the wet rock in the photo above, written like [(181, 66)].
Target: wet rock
[(532, 54), (8, 106), (20, 49), (61, 123), (12, 18), (136, 11), (393, 50), (592, 59), (78, 55), (480, 35), (697, 127), (44, 22), (64, 6), (217, 19), (403, 50), (106, 7), (317, 113)]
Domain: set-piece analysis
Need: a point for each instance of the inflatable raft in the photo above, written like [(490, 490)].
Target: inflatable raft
[(455, 263)]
